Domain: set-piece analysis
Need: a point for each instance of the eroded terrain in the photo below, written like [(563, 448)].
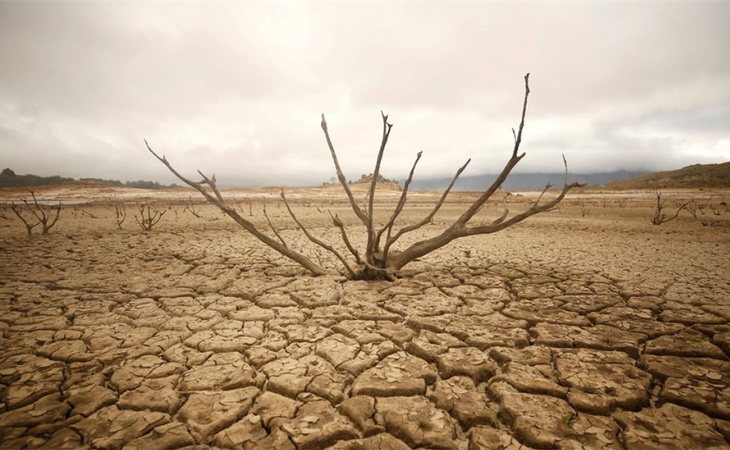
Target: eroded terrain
[(571, 330)]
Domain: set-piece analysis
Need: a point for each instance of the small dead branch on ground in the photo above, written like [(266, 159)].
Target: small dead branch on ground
[(87, 214)]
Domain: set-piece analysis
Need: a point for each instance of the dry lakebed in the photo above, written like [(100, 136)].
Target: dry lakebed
[(584, 327)]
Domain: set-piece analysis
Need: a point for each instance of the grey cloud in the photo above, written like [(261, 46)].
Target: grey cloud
[(237, 89), (710, 121)]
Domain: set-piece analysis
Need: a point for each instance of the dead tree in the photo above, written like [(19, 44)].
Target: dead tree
[(660, 216), (380, 259), (120, 214), (148, 217), (44, 215)]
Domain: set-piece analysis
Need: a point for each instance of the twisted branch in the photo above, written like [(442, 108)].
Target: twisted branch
[(217, 200), (319, 242)]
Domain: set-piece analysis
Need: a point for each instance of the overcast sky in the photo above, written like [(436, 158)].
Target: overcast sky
[(238, 89)]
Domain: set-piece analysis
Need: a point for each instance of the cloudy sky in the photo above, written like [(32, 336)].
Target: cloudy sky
[(237, 89)]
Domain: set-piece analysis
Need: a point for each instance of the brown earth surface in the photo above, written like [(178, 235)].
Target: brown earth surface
[(585, 327)]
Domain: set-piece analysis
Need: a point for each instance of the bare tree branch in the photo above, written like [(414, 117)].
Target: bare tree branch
[(120, 214), (248, 226), (430, 216), (401, 203), (341, 177), (28, 226), (35, 209), (338, 223), (514, 159), (536, 208), (505, 213), (319, 242), (273, 228), (47, 227), (370, 249), (459, 227), (660, 217)]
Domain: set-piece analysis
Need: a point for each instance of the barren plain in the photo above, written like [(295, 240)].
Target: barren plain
[(584, 327)]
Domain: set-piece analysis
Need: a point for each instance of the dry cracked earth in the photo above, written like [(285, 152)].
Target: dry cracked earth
[(563, 332)]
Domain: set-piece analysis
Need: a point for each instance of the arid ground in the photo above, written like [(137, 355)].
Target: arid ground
[(584, 327)]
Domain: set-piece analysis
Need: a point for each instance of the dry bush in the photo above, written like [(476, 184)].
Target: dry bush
[(148, 217), (34, 213), (120, 214), (380, 259), (660, 216)]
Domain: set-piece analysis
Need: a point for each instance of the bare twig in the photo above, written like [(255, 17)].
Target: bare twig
[(401, 203), (338, 223), (505, 212), (371, 192), (29, 225), (319, 242), (431, 215), (273, 228), (660, 216), (120, 214), (341, 176), (217, 200), (460, 229)]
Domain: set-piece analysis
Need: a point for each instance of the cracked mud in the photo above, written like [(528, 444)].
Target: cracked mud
[(563, 332)]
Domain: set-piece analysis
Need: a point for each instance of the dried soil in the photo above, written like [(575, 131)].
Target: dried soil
[(586, 327)]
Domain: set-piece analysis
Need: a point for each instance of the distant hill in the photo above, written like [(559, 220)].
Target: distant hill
[(8, 178), (694, 176), (522, 181)]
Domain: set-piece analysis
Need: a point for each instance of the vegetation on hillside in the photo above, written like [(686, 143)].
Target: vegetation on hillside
[(8, 178), (694, 176)]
